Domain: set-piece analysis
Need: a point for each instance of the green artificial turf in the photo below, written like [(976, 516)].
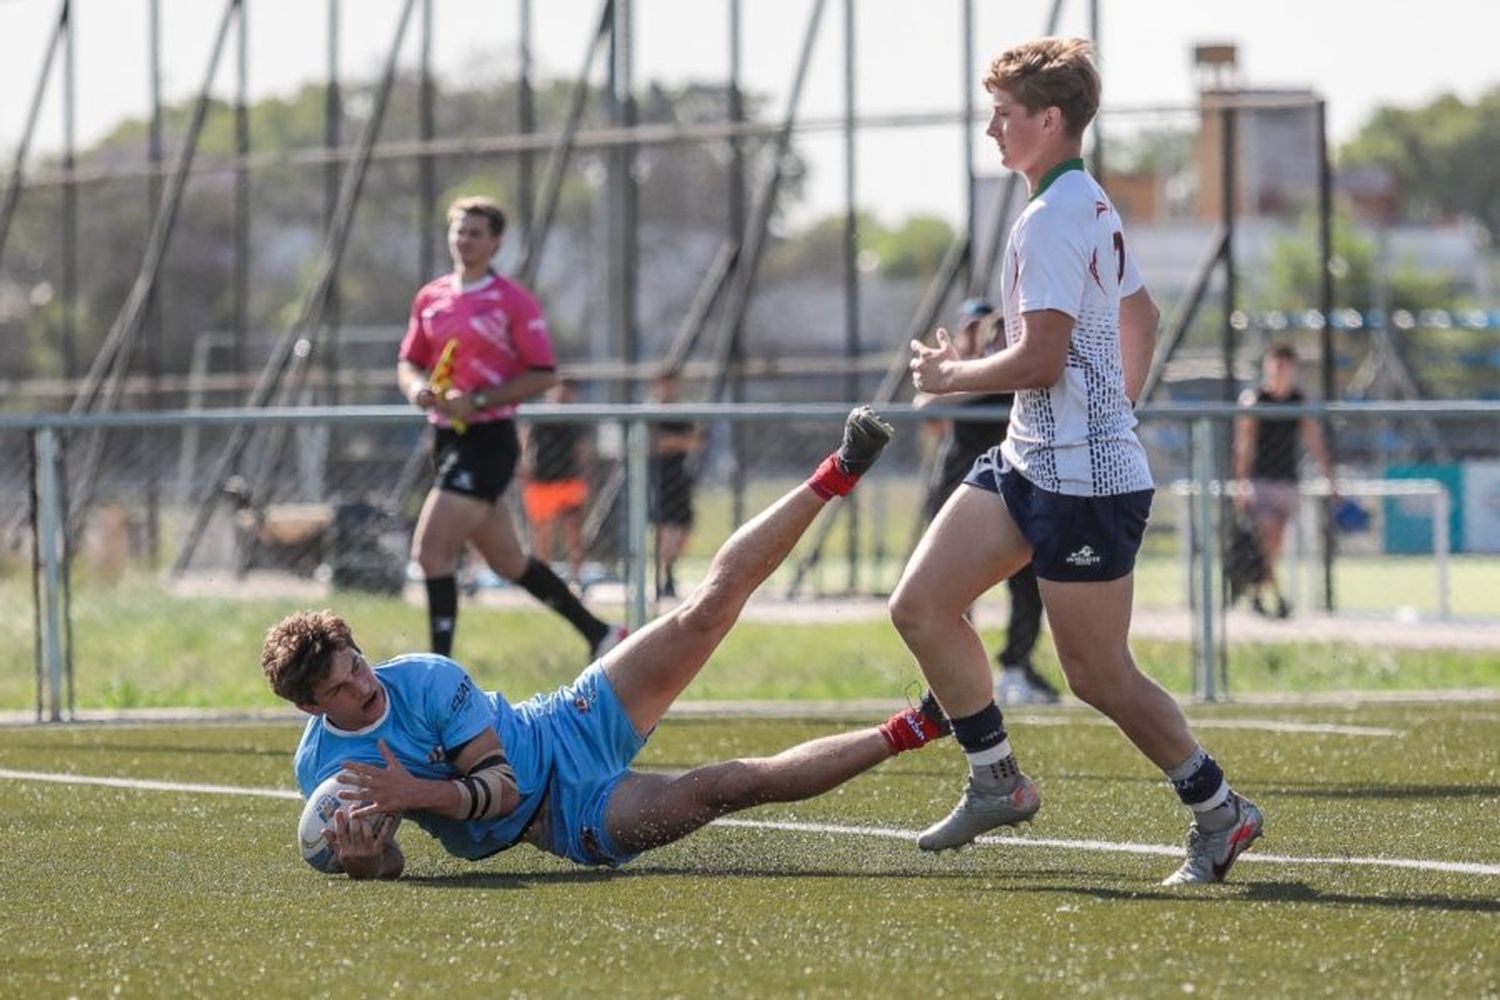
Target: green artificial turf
[(115, 891)]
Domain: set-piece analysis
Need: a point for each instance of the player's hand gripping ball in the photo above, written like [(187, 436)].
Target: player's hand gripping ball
[(317, 817)]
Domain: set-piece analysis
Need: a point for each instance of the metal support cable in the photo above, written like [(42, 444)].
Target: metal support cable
[(1185, 313), (125, 325), (562, 149), (895, 377), (108, 370), (295, 373), (13, 188), (308, 318), (738, 302)]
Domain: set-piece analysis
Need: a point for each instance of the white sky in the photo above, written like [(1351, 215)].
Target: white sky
[(1359, 53)]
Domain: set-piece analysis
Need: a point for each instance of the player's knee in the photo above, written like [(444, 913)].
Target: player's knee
[(737, 784), (1085, 687), (1099, 683), (710, 609), (911, 612), (432, 558)]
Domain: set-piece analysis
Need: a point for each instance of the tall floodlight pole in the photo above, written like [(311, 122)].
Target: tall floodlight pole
[(69, 200), (966, 98), (851, 266), (427, 128), (621, 209), (153, 318), (1096, 165), (241, 192), (1325, 335), (737, 221), (1228, 149), (526, 120), (333, 116)]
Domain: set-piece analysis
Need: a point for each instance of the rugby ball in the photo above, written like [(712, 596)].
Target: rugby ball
[(317, 816)]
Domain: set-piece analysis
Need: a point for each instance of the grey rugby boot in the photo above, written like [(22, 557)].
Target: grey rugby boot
[(978, 812), (1209, 855), (865, 437)]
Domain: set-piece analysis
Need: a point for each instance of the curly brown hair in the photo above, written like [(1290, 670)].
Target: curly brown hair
[(1050, 73), (298, 652)]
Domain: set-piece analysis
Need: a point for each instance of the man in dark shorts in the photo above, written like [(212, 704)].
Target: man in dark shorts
[(502, 356), (965, 442), (1267, 453), (674, 443), (556, 457)]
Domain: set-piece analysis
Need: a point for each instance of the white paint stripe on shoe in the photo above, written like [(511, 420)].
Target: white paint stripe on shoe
[(892, 833)]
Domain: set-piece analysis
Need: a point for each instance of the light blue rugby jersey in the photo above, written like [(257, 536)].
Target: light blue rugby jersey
[(432, 705)]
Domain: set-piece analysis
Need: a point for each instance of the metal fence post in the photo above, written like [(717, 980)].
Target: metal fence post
[(1441, 545), (1205, 496), (637, 434), (49, 546)]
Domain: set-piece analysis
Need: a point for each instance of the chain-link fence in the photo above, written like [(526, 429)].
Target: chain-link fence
[(315, 504)]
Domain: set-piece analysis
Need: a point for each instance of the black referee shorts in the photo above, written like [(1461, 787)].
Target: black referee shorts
[(478, 463)]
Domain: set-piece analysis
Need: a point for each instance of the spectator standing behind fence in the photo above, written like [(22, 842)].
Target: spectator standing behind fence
[(674, 443), (502, 355), (964, 441), (556, 463), (1267, 451)]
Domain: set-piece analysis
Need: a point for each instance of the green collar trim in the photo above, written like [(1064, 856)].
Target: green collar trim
[(1076, 163)]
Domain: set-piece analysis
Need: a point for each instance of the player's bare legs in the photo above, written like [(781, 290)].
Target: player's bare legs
[(499, 543), (1271, 525), (649, 810), (971, 545), (451, 520), (651, 668), (1090, 627), (443, 528)]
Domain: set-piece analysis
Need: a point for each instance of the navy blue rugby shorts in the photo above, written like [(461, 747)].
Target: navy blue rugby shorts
[(1073, 539)]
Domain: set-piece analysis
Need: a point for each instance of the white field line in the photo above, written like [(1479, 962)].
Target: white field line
[(1262, 725), (1121, 847), (889, 833), (752, 710), (147, 785)]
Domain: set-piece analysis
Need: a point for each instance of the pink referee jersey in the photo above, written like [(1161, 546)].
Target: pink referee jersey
[(500, 333)]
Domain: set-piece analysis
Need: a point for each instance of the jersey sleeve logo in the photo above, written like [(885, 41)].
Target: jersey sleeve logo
[(464, 690), (1094, 268), (1100, 208)]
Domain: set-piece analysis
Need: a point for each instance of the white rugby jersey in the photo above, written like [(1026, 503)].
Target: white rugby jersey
[(1067, 252)]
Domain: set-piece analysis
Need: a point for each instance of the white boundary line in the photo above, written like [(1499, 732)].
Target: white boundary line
[(148, 785), (889, 833), (737, 710), (1115, 847), (1260, 725)]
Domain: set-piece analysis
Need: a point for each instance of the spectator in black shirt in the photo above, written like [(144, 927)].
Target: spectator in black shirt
[(673, 445), (1267, 453), (556, 469), (963, 442)]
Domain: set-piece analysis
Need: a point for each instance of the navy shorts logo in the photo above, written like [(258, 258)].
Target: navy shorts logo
[(1073, 539)]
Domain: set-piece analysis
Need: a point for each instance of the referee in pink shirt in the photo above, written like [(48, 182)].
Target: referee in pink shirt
[(503, 357)]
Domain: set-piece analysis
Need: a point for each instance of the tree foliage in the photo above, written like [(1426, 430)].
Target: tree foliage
[(680, 186), (1294, 280), (1442, 155)]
